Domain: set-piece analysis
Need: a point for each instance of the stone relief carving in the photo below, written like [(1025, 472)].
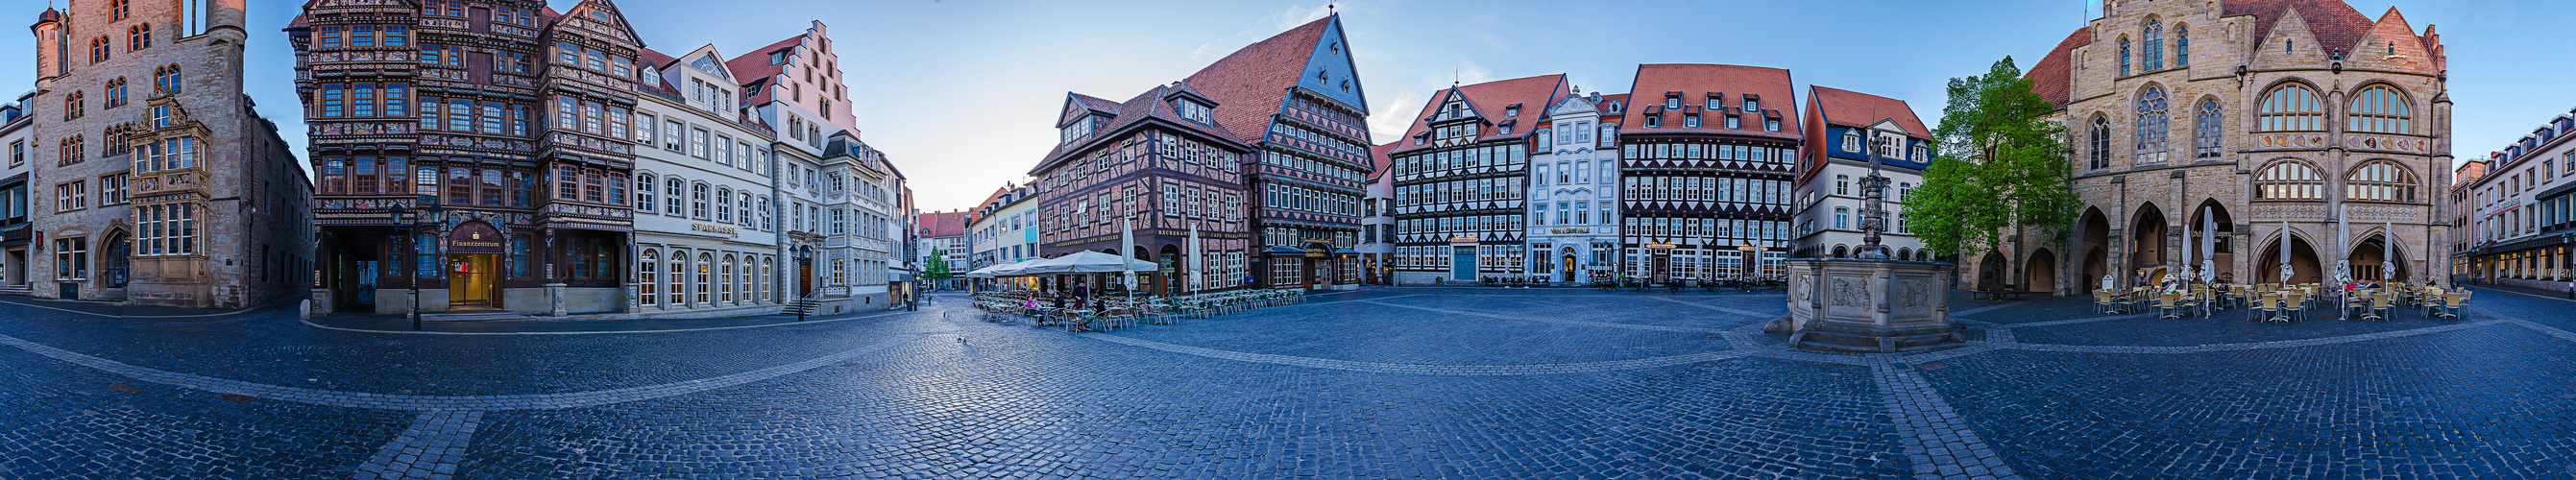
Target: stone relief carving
[(1912, 295), (1850, 292), (2294, 212)]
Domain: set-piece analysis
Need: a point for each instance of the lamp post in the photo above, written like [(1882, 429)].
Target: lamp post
[(429, 214), (804, 263), (400, 218)]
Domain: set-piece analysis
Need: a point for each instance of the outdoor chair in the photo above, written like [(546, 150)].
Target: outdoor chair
[(2295, 303), (2105, 302), (2378, 308), (2451, 304), (2265, 309)]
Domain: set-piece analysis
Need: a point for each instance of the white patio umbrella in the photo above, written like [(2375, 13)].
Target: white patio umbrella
[(1196, 262), (1084, 262), (1126, 245), (2285, 251), (2387, 251), (2183, 267), (1003, 270), (2208, 245)]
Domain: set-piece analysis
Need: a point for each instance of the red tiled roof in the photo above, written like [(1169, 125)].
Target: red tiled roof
[(655, 58), (1696, 81), (1379, 161), (1489, 100), (1855, 109), (2335, 24), (942, 224), (1606, 100), (754, 66), (2053, 77), (1146, 105), (1249, 85)]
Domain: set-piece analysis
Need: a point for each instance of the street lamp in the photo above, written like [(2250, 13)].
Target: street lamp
[(400, 218), (411, 231)]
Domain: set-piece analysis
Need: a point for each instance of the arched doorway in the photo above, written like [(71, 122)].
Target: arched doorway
[(2367, 256), (2040, 274), (2303, 263), (1565, 264), (1990, 269), (2221, 250), (2094, 239), (115, 266), (2147, 238)]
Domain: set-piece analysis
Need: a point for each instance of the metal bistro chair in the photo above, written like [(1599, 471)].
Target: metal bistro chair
[(2378, 308), (2452, 302), (2264, 309), (2294, 306), (2106, 302)]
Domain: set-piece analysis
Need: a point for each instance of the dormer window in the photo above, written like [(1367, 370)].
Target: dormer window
[(1654, 121), (1319, 77), (1851, 141), (1734, 122), (1078, 130), (1752, 103), (1690, 120), (1770, 124), (1193, 111), (1673, 102), (1512, 111), (1716, 101), (1505, 130)]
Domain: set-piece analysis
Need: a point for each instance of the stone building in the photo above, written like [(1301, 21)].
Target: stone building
[(168, 189), (1707, 152), (1463, 178), (842, 200), (999, 232), (2464, 202), (1847, 132), (706, 237), (2244, 114), (2521, 208), (942, 235)]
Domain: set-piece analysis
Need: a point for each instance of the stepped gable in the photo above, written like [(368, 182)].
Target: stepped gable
[(754, 66), (1249, 85)]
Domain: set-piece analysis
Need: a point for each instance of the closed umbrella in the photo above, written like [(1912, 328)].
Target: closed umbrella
[(2285, 251), (2208, 245), (1127, 245), (2387, 251), (1196, 262)]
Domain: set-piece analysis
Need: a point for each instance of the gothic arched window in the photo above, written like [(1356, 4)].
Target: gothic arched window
[(2101, 142), (2155, 54), (2151, 131), (2206, 127), (2182, 45), (2124, 56)]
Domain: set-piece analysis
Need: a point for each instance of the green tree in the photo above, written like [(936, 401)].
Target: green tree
[(2004, 165), (938, 266)]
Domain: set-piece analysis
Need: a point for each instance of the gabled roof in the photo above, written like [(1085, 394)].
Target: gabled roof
[(1607, 101), (1379, 161), (1855, 109), (1250, 84), (1492, 101), (754, 66), (2054, 76), (941, 224), (655, 58), (1149, 105), (2335, 25), (1695, 81)]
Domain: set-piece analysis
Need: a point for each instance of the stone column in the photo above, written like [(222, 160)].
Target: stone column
[(555, 295)]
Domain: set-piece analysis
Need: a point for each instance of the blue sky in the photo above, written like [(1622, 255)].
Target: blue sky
[(961, 94)]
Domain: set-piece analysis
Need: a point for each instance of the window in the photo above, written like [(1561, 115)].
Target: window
[(2151, 131), (111, 188), (166, 79), (119, 10), (1851, 141), (1690, 121), (138, 37), (2124, 56), (648, 273), (1842, 184), (2379, 109), (71, 259), (98, 49), (428, 182), (1842, 217), (397, 100), (2206, 129), (2182, 46), (2289, 180), (2155, 43), (672, 187), (644, 202), (2101, 142), (698, 201), (71, 196), (704, 284), (167, 229), (2380, 181), (2291, 107)]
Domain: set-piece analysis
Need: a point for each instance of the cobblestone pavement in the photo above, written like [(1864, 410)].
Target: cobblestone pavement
[(1380, 383)]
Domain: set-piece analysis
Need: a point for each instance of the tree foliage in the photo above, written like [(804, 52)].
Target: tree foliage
[(2003, 162), (938, 266)]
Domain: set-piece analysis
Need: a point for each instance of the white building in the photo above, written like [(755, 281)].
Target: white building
[(706, 239), (1574, 193), (2524, 208), (999, 232), (837, 194), (19, 143), (1377, 219), (1843, 129)]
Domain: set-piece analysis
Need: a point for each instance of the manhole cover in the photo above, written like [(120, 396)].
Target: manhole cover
[(191, 330), (852, 364), (237, 398), (129, 390), (1930, 366)]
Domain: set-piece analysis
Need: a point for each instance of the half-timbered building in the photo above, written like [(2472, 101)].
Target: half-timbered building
[(1462, 180)]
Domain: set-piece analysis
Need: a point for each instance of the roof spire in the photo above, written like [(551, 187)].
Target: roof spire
[(1328, 9)]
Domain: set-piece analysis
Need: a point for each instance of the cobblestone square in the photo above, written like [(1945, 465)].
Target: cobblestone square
[(1377, 383)]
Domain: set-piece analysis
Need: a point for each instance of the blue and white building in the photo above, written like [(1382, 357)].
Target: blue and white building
[(1574, 193)]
